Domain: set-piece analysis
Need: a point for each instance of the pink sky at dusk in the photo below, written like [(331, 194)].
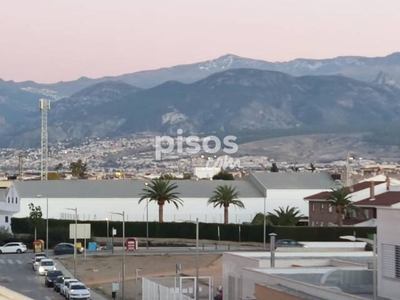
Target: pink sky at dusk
[(49, 41)]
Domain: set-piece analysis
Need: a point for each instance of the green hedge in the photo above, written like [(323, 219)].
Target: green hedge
[(59, 231)]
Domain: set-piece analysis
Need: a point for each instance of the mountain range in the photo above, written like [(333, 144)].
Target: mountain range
[(221, 96)]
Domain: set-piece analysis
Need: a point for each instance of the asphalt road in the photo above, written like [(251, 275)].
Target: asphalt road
[(16, 274)]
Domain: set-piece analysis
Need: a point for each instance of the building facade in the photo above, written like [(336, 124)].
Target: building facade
[(388, 253)]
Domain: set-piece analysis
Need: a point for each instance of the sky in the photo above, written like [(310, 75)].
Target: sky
[(49, 41)]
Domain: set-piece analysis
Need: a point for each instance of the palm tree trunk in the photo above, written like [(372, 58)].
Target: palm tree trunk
[(340, 217), (226, 215), (161, 213)]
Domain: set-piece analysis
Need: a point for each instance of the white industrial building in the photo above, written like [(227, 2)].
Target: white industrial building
[(389, 253), (95, 199)]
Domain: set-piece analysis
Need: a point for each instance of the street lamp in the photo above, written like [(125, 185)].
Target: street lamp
[(147, 220), (136, 286), (197, 257), (265, 218), (47, 224), (75, 236), (123, 251), (108, 230)]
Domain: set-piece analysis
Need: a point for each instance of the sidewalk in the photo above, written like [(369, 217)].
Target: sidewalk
[(94, 295)]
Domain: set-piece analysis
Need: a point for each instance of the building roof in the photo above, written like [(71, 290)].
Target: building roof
[(356, 188), (295, 180), (125, 188), (385, 199)]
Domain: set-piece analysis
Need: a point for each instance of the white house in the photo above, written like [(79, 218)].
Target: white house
[(9, 205), (95, 199), (388, 253)]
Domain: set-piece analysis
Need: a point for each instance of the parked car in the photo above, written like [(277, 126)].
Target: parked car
[(65, 285), (13, 247), (77, 290), (288, 243), (51, 276), (36, 263), (59, 281), (45, 265), (65, 248), (42, 254)]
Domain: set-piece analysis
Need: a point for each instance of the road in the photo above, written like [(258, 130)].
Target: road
[(16, 274)]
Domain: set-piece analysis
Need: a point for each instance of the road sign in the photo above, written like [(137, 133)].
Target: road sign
[(83, 231)]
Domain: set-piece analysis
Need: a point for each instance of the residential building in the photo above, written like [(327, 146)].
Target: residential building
[(388, 253), (9, 204), (323, 213), (298, 275)]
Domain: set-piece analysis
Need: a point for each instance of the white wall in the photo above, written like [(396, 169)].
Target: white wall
[(8, 209), (99, 209), (387, 233)]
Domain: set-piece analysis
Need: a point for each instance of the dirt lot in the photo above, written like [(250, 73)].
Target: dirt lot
[(100, 271)]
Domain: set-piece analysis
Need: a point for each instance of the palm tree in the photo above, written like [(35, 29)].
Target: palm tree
[(224, 196), (78, 168), (341, 200), (285, 217), (58, 167), (162, 191)]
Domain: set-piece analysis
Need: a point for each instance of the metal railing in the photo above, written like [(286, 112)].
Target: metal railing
[(154, 291)]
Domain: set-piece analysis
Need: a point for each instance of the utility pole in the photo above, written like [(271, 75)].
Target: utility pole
[(20, 155), (44, 105)]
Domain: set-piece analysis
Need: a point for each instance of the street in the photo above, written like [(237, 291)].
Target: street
[(16, 274)]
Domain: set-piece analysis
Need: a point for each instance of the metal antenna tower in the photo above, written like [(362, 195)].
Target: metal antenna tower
[(44, 105)]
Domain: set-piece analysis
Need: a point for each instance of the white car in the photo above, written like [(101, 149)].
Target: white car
[(77, 290), (14, 247), (45, 265), (64, 286), (35, 264)]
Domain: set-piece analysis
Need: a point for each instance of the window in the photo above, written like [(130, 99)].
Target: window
[(366, 213), (330, 208), (354, 213), (16, 200), (322, 207), (12, 200), (322, 223), (8, 199), (6, 219), (313, 206), (391, 261)]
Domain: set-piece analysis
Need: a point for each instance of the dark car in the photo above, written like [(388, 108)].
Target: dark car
[(51, 276), (59, 281), (65, 248), (288, 243)]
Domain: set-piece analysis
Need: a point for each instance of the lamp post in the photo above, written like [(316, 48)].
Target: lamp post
[(197, 259), (265, 219), (137, 287), (147, 220), (123, 251), (108, 230), (47, 224), (75, 236)]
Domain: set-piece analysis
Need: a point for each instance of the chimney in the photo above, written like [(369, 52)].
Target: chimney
[(372, 191), (387, 183)]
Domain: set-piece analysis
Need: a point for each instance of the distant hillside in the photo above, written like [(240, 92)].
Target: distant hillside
[(238, 100)]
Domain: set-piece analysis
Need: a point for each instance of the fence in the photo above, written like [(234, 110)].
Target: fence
[(154, 291)]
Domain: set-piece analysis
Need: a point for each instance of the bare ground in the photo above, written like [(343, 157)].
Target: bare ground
[(100, 271)]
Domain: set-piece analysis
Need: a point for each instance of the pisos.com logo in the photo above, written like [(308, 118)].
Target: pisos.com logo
[(192, 145)]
